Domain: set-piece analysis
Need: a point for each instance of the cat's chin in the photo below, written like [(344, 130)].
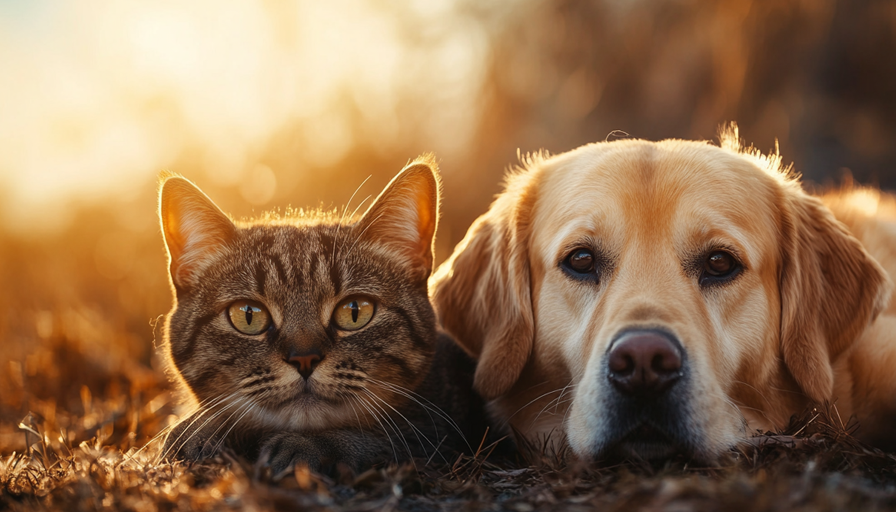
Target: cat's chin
[(306, 411), (310, 401), (320, 416)]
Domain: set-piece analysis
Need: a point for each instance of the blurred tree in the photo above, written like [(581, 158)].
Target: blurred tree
[(817, 76)]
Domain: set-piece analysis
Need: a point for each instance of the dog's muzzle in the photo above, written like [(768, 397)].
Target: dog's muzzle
[(648, 396)]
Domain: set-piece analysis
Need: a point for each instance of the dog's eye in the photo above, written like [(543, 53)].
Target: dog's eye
[(719, 266), (720, 263), (582, 261), (581, 265)]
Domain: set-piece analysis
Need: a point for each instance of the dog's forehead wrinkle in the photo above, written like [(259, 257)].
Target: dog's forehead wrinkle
[(646, 200)]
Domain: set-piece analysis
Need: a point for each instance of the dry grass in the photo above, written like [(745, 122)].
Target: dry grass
[(819, 468), (82, 391)]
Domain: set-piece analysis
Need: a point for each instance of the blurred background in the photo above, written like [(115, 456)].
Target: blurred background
[(267, 104)]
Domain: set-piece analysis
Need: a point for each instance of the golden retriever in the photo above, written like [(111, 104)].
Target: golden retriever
[(639, 299)]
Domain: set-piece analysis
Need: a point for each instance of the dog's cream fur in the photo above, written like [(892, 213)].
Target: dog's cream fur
[(805, 321)]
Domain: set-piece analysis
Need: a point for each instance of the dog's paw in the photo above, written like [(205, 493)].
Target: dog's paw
[(282, 451)]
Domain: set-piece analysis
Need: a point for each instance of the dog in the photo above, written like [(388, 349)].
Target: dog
[(636, 299)]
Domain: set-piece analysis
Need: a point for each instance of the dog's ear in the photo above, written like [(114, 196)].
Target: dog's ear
[(482, 292), (831, 290)]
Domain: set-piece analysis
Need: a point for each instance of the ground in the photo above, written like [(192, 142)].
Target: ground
[(100, 457), (83, 392)]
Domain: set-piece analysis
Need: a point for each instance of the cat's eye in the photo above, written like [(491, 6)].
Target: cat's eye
[(249, 317), (353, 313)]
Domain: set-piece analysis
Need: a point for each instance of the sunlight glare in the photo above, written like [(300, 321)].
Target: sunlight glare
[(99, 97)]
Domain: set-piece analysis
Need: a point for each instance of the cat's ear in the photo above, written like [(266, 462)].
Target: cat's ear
[(195, 229), (405, 215)]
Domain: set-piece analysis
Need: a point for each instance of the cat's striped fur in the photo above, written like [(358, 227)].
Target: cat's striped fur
[(365, 396)]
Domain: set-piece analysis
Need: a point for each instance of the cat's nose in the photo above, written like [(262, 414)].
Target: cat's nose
[(305, 362)]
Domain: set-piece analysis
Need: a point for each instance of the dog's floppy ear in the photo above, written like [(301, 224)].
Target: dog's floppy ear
[(831, 290), (482, 292)]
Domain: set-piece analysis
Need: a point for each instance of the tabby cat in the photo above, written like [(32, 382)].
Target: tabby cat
[(310, 338)]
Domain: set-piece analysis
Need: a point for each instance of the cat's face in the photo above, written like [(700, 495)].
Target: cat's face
[(303, 323)]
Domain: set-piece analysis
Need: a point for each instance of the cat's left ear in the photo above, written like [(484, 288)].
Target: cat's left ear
[(195, 229), (405, 215)]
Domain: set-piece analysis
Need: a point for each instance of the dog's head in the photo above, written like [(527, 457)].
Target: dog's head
[(648, 298)]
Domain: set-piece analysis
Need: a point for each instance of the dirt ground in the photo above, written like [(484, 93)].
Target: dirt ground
[(83, 392), (825, 470)]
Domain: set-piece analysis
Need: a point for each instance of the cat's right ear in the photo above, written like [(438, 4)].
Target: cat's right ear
[(405, 215), (194, 229)]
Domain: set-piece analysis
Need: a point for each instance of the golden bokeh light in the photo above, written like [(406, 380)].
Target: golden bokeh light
[(100, 97), (280, 105)]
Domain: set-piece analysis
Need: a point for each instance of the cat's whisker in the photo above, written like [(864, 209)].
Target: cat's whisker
[(357, 417), (391, 422), (355, 211), (408, 394), (205, 407), (342, 218), (242, 404), (360, 236), (561, 403), (418, 399), (164, 432), (428, 406), (175, 448), (178, 445), (740, 405), (273, 263), (363, 403), (251, 407), (417, 432), (345, 209), (426, 409), (387, 421)]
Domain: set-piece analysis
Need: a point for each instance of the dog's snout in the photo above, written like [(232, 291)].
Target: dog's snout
[(644, 362)]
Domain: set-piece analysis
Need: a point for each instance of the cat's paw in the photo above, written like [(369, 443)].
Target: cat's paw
[(282, 451), (186, 442)]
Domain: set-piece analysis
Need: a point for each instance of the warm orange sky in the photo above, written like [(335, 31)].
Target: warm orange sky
[(97, 97), (267, 103)]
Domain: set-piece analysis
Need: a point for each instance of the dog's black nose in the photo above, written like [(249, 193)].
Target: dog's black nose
[(644, 362)]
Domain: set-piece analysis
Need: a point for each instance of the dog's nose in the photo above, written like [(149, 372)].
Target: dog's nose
[(644, 362), (305, 362)]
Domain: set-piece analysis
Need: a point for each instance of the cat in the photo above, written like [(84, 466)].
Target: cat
[(310, 338)]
